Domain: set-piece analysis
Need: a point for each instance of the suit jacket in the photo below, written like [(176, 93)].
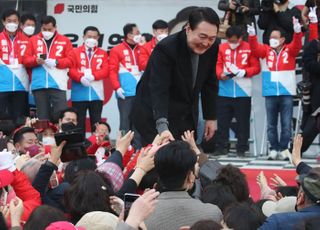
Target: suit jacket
[(166, 88), (177, 209)]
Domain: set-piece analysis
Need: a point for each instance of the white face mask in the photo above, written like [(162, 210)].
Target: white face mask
[(29, 30), (137, 38), (91, 42), (161, 36), (234, 46), (48, 141), (11, 27), (274, 43), (47, 35)]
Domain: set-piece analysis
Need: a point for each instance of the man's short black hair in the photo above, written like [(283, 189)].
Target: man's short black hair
[(201, 14), (8, 13), (48, 19), (159, 24), (173, 162), (26, 17), (70, 110), (92, 28), (128, 28), (234, 31), (18, 135), (282, 32)]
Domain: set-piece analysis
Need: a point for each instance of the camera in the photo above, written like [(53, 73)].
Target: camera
[(303, 88), (76, 144), (238, 6)]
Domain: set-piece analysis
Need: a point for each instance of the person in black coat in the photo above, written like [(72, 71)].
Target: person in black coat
[(181, 67)]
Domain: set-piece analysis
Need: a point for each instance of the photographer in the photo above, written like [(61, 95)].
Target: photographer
[(276, 14), (242, 11), (311, 61)]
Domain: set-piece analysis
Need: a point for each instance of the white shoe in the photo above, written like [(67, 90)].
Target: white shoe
[(285, 155), (272, 155)]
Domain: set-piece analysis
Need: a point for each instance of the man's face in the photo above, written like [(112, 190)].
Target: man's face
[(102, 130), (234, 40), (28, 139), (11, 19), (48, 27), (48, 133), (91, 34), (158, 32), (130, 36), (202, 37), (277, 35), (28, 23), (69, 117)]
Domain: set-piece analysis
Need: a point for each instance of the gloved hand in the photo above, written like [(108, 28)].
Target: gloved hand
[(241, 73), (313, 15), (251, 30), (120, 93), (85, 82), (234, 69), (89, 77), (7, 161), (51, 63), (296, 25)]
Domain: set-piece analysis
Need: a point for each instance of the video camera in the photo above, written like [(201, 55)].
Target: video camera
[(267, 5), (76, 145), (303, 88)]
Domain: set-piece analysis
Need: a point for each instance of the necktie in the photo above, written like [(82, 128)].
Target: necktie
[(89, 53)]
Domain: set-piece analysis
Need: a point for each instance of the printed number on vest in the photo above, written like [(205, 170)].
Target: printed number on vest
[(99, 63), (23, 49), (244, 59), (59, 50), (285, 58)]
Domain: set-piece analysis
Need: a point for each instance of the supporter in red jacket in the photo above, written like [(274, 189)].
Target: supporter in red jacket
[(125, 73), (47, 54), (160, 31), (278, 83), (89, 69), (235, 67), (14, 80)]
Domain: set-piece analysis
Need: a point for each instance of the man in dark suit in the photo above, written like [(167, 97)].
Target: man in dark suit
[(181, 67)]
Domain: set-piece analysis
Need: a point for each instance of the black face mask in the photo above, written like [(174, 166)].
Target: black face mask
[(66, 127)]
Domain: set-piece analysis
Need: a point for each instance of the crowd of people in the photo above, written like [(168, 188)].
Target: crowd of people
[(155, 176)]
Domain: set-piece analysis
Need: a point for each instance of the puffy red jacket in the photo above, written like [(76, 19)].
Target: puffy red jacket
[(145, 53), (24, 190)]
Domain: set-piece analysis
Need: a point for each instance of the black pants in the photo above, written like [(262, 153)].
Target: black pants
[(14, 105), (240, 109), (49, 103), (95, 110)]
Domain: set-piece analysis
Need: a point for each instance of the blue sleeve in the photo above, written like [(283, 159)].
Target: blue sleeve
[(270, 224)]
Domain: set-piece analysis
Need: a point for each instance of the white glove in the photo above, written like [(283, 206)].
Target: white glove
[(85, 82), (120, 93), (50, 62), (90, 77), (296, 25), (7, 161), (241, 73), (251, 30), (313, 15), (234, 69)]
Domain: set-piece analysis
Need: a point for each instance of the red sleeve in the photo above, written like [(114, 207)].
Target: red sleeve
[(219, 65), (313, 31), (257, 49), (24, 190), (143, 58), (126, 157), (104, 71), (30, 60), (74, 72), (254, 67), (130, 166), (65, 62), (114, 69), (295, 45)]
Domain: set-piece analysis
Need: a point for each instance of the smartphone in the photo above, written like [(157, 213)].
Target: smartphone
[(129, 198), (230, 75), (43, 56), (70, 138), (41, 124)]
